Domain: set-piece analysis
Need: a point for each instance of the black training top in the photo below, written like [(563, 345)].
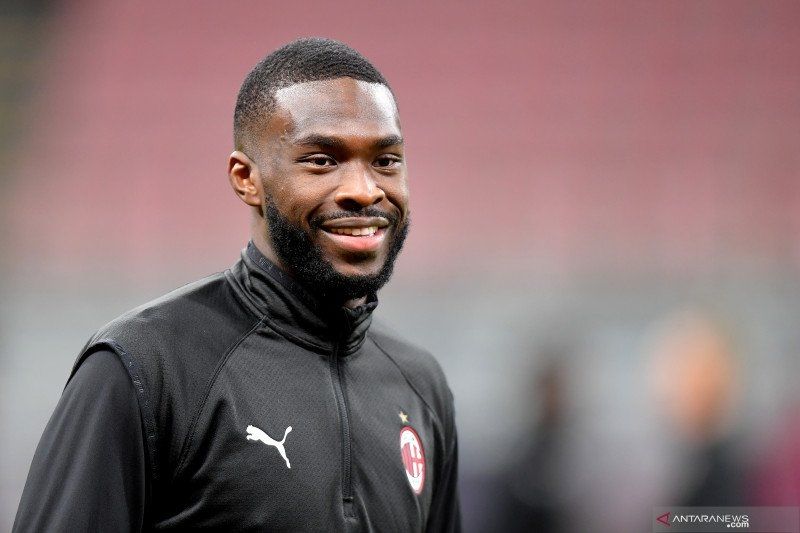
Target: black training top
[(241, 403)]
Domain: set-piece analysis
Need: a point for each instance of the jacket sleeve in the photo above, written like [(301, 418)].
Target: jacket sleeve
[(89, 472), (445, 508)]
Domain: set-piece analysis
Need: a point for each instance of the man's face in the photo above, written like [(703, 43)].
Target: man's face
[(334, 184)]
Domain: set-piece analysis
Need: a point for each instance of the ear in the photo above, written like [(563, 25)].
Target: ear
[(245, 178)]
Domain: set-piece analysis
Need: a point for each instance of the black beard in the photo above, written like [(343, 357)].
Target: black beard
[(304, 259)]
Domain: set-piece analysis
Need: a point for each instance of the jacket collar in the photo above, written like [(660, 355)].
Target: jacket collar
[(296, 313)]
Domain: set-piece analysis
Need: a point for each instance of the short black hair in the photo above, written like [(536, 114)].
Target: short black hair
[(303, 60)]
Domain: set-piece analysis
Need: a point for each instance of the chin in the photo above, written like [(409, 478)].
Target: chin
[(368, 264), (358, 271)]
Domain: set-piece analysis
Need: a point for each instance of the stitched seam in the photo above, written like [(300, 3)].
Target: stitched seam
[(182, 458), (132, 367), (410, 384)]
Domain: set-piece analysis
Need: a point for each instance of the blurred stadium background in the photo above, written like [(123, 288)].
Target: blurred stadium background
[(606, 240)]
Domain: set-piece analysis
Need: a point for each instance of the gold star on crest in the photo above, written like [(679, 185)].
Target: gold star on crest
[(403, 417)]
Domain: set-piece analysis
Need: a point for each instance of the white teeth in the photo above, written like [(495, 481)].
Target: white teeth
[(370, 230)]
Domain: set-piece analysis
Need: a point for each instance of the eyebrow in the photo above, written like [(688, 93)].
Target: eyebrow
[(391, 140), (326, 141)]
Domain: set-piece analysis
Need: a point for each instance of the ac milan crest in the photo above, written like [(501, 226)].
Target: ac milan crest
[(413, 458)]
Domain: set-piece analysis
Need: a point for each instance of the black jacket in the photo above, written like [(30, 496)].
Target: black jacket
[(247, 405)]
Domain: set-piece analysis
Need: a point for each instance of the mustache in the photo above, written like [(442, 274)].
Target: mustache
[(370, 211)]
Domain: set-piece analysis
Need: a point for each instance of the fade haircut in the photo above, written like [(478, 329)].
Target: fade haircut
[(303, 60)]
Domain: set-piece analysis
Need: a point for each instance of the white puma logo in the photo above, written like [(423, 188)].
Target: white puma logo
[(253, 433)]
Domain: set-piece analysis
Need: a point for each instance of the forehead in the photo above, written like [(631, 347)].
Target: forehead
[(341, 106)]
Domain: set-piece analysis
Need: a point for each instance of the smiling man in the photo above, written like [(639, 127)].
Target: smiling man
[(264, 398)]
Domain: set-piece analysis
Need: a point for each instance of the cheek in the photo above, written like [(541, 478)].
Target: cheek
[(301, 201), (397, 194)]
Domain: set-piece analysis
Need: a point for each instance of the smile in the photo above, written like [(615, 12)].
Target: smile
[(356, 234), (370, 230), (355, 223)]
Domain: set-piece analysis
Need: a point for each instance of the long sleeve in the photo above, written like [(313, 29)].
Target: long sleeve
[(445, 508), (89, 472)]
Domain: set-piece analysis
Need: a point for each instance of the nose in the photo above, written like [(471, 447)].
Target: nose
[(358, 190)]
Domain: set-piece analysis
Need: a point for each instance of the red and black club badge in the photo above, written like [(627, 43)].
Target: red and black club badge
[(413, 458)]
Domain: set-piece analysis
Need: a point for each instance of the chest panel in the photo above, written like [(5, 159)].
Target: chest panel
[(246, 470)]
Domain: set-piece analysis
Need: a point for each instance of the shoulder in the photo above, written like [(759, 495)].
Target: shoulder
[(198, 306), (405, 353), (100, 384), (203, 317), (172, 349), (181, 337), (418, 366)]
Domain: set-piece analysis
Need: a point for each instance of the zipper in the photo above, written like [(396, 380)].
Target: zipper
[(338, 389)]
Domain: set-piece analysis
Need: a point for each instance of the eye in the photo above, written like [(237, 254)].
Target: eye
[(387, 161), (319, 161)]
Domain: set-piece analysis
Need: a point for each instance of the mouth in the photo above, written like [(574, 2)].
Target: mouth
[(356, 234)]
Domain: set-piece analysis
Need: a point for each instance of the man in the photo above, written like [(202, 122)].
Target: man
[(263, 398)]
